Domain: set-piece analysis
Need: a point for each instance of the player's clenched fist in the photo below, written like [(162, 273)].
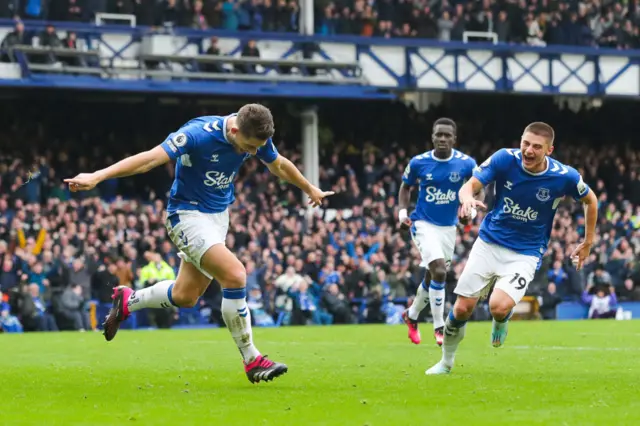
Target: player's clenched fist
[(403, 218), (83, 182)]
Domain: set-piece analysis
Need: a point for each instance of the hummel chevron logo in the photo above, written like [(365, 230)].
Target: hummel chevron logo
[(211, 127)]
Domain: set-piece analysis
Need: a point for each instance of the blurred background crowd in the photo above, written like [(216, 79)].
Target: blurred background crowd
[(611, 23), (347, 262)]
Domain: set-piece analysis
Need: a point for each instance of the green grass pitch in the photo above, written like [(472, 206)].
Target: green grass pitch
[(548, 373)]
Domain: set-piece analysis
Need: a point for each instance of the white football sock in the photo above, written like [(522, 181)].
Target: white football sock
[(420, 301), (453, 334), (237, 317), (499, 325), (156, 296), (436, 299)]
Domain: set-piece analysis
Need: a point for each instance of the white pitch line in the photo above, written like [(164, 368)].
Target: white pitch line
[(395, 344), (573, 348)]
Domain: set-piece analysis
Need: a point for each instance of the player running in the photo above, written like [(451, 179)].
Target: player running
[(515, 234), (440, 174), (209, 152)]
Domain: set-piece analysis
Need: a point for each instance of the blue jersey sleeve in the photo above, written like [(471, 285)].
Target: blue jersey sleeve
[(468, 171), (267, 153), (575, 186), (492, 167), (410, 175), (181, 142)]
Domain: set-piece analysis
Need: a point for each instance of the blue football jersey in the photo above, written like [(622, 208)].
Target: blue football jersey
[(440, 180), (525, 205), (206, 165)]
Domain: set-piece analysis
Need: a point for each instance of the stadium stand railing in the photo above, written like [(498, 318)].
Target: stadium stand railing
[(387, 65)]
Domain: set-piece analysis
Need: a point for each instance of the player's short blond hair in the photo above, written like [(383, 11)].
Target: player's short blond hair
[(541, 129)]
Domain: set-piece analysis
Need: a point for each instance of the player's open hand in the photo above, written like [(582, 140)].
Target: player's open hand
[(316, 195), (467, 207), (580, 254), (83, 182)]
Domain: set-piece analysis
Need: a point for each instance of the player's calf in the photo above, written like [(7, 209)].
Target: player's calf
[(185, 296), (231, 275), (437, 270), (455, 326)]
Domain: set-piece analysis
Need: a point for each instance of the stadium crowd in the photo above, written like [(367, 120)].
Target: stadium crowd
[(346, 263), (610, 23)]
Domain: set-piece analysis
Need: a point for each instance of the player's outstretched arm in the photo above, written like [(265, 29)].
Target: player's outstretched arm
[(285, 169), (404, 199), (134, 165), (467, 195), (581, 253)]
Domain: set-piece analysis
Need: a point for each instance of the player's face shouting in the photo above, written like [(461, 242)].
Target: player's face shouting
[(443, 138), (534, 149)]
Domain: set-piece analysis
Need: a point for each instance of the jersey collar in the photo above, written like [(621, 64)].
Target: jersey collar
[(535, 174), (443, 160)]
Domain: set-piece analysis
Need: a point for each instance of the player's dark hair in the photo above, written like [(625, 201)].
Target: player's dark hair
[(541, 129), (446, 122), (255, 121)]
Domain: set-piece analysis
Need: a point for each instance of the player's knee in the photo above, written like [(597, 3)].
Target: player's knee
[(235, 278), (500, 307), (439, 274), (463, 308)]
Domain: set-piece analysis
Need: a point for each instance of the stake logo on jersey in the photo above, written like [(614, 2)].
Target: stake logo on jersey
[(440, 181), (206, 165), (526, 203)]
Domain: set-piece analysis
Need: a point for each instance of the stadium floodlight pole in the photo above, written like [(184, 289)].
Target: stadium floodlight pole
[(309, 116), (306, 17), (310, 148)]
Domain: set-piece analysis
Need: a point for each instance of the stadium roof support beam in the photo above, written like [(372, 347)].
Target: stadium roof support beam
[(306, 17), (310, 147)]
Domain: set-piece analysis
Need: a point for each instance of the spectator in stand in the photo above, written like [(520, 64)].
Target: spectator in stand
[(44, 321), (70, 310), (168, 14), (8, 323), (198, 20), (601, 305), (49, 37), (250, 50), (16, 37), (549, 300)]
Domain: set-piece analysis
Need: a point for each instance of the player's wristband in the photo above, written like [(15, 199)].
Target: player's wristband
[(402, 215)]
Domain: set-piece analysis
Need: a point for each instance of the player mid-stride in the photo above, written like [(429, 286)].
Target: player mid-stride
[(440, 173), (515, 233), (209, 152)]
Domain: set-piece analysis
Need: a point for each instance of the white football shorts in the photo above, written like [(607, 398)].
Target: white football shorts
[(490, 265), (194, 233), (433, 241)]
